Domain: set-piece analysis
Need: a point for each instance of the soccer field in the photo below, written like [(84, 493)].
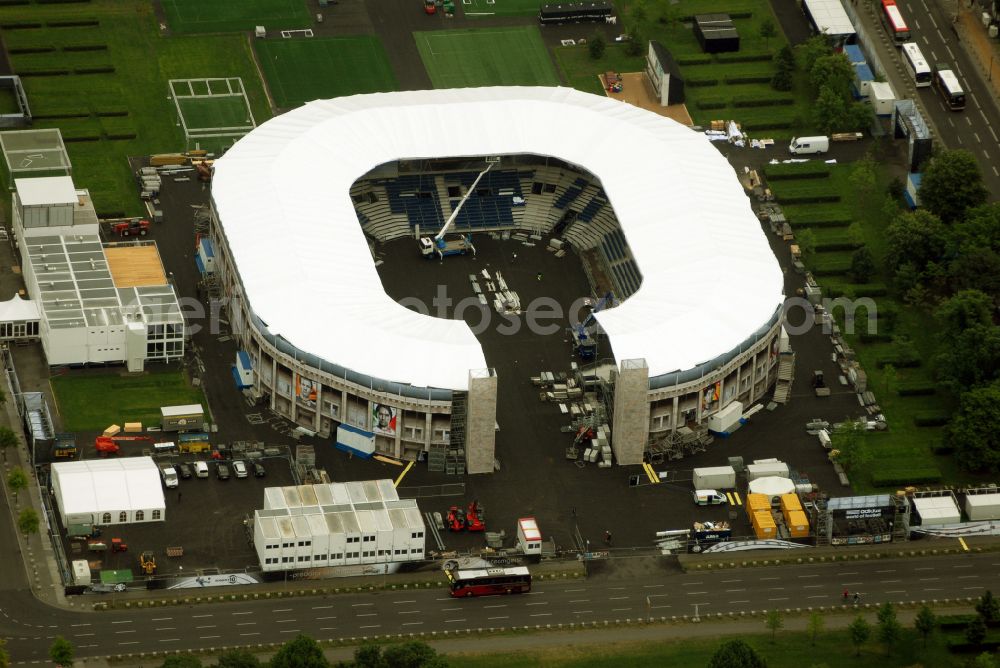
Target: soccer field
[(502, 7), (488, 57), (188, 16), (299, 70)]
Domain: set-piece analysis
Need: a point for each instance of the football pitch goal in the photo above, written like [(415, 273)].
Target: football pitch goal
[(213, 109), (487, 57)]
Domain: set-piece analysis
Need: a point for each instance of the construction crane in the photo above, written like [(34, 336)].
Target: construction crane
[(457, 245), (584, 339)]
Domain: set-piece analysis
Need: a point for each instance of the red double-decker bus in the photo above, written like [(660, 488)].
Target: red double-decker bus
[(894, 23), (489, 581)]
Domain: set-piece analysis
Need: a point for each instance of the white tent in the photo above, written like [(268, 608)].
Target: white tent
[(108, 491), (17, 309), (282, 195), (772, 486)]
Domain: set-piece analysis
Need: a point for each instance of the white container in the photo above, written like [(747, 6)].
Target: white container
[(983, 506), (714, 477), (778, 469), (882, 98), (81, 572)]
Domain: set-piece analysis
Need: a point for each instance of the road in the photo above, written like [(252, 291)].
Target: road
[(598, 598), (975, 128)]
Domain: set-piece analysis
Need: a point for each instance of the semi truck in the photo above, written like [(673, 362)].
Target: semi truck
[(714, 477)]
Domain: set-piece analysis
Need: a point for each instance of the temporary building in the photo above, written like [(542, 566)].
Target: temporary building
[(108, 491), (937, 510), (983, 506), (772, 486), (761, 469), (716, 33)]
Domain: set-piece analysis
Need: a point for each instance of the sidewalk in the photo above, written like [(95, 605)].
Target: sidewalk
[(985, 52)]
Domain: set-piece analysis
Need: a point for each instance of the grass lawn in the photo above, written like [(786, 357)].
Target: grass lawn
[(488, 57), (187, 16), (298, 71), (215, 112), (502, 7), (905, 445), (91, 402), (86, 106), (833, 649), (580, 70)]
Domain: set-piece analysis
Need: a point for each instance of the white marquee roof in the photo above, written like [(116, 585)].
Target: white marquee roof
[(108, 485), (710, 278)]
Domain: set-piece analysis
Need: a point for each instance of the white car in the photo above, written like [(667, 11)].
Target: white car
[(240, 468)]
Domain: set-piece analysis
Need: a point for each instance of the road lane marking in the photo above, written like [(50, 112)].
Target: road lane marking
[(87, 624), (130, 642), (502, 605), (447, 621), (250, 634), (728, 591), (129, 621), (358, 605), (405, 601), (247, 624), (976, 587), (728, 581), (966, 577), (408, 612), (327, 607), (282, 610), (370, 626), (652, 586), (770, 578), (500, 617), (813, 586), (290, 631), (540, 603), (367, 614), (327, 617), (284, 621), (169, 640), (695, 593), (207, 626), (887, 570), (129, 631), (81, 635), (816, 575), (411, 623), (207, 637), (620, 609), (580, 600), (896, 591), (781, 598), (199, 616), (166, 628), (541, 614), (691, 584), (328, 628), (450, 609), (617, 598), (161, 619), (583, 612), (243, 613), (929, 579)]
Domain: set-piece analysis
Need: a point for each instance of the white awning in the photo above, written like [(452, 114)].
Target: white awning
[(19, 310)]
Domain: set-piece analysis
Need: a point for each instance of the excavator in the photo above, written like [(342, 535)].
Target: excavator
[(147, 563), (457, 245)]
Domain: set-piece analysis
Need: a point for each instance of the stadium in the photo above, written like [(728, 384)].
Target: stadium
[(691, 327)]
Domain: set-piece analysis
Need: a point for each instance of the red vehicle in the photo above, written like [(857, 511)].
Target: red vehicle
[(894, 22), (105, 446), (132, 228), (456, 519), (475, 518), (430, 7), (489, 581)]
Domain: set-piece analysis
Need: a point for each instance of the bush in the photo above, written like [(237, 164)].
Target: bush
[(748, 79), (831, 246), (76, 23), (899, 477), (942, 449), (873, 290), (818, 197), (759, 126), (794, 171), (699, 83), (898, 362), (706, 105), (931, 419), (916, 389), (694, 60)]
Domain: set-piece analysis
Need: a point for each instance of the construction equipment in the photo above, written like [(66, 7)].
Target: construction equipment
[(136, 227), (456, 519), (105, 446), (460, 245), (64, 446), (203, 169), (147, 563), (117, 545), (585, 334), (475, 518)]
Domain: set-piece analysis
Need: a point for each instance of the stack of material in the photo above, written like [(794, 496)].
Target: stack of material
[(149, 182)]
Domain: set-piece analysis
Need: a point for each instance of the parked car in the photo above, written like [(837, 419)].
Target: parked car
[(201, 469), (184, 470), (258, 470), (222, 471), (240, 469)]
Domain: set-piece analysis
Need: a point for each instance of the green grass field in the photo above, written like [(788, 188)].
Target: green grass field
[(91, 402), (489, 57), (190, 16), (300, 70), (214, 112), (580, 70), (86, 107), (474, 8)]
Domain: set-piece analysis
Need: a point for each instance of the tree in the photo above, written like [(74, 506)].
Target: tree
[(851, 443), (17, 480), (596, 46), (975, 632), (369, 655), (976, 269), (736, 654), (811, 50), (27, 522), (8, 439), (412, 655), (925, 622), (181, 661), (4, 655), (951, 184), (301, 652), (767, 31), (784, 73), (862, 265), (917, 238), (774, 622), (806, 239), (815, 627), (988, 607), (635, 45), (833, 71), (830, 110), (970, 359), (973, 433), (984, 660), (889, 628), (965, 309), (860, 632), (61, 651), (238, 658), (979, 229)]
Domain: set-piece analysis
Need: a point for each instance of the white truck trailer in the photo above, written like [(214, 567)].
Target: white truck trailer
[(714, 477)]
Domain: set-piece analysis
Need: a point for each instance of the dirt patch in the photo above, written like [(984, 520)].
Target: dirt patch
[(636, 90)]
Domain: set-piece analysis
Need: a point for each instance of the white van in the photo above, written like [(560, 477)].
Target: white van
[(708, 497), (169, 476), (808, 145), (201, 469)]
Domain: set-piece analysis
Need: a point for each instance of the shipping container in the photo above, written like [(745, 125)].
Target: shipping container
[(797, 523), (763, 524), (714, 477), (81, 572), (790, 502), (182, 418), (755, 470), (983, 506), (757, 503)]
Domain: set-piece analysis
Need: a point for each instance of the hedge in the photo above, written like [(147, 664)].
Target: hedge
[(766, 125), (19, 25), (931, 419), (85, 47), (916, 389), (754, 101), (701, 83), (739, 57), (872, 290), (74, 23), (942, 449), (31, 49), (694, 60), (832, 246), (796, 222), (914, 476), (959, 622), (883, 362), (749, 79), (965, 647), (712, 104), (809, 198), (791, 172)]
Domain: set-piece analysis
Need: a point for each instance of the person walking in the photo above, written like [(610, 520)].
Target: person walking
[(857, 598), (846, 594), (607, 538)]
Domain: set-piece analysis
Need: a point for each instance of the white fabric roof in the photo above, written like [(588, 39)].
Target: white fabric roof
[(17, 309), (43, 190), (108, 485), (710, 278)]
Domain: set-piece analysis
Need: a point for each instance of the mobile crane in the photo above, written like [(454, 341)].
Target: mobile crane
[(457, 245)]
